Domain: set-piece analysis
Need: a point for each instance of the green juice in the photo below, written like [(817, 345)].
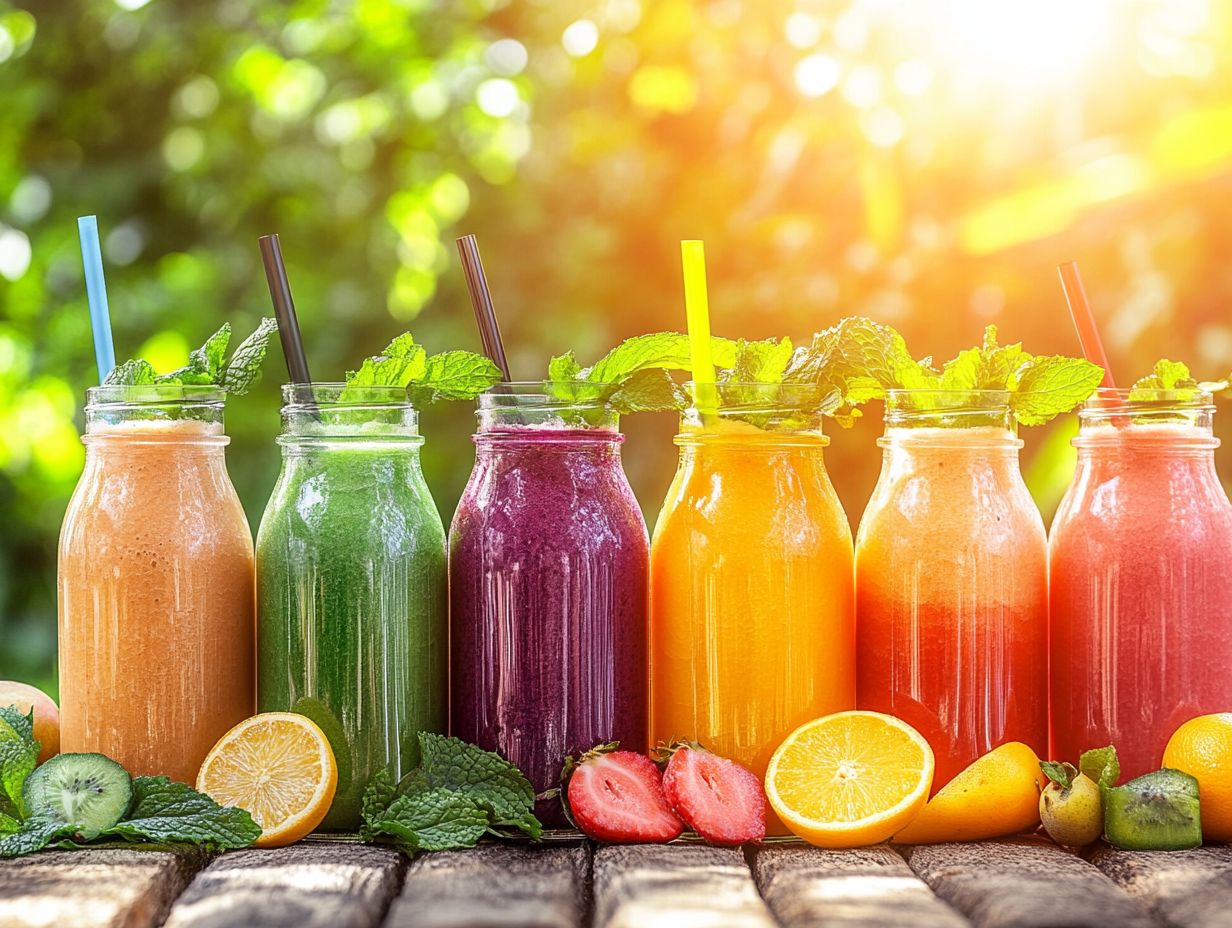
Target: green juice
[(351, 599)]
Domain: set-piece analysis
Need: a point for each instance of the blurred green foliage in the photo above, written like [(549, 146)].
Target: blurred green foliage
[(834, 156)]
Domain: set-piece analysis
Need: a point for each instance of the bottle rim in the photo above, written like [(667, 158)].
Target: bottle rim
[(117, 396), (1106, 402), (336, 395), (536, 395)]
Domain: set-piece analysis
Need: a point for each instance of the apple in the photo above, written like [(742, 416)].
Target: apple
[(46, 714)]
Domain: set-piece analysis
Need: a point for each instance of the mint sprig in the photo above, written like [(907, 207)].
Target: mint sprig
[(450, 375), (1174, 377), (458, 794), (162, 812), (207, 365), (635, 375)]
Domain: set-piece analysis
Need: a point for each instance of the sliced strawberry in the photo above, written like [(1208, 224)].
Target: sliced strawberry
[(720, 800), (617, 796)]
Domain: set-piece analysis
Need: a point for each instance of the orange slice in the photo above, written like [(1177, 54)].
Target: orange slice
[(280, 767), (850, 779)]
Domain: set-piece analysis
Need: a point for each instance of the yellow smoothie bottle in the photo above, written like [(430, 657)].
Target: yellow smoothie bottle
[(752, 603)]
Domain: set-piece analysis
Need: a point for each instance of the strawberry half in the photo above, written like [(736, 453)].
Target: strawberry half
[(720, 800), (617, 796)]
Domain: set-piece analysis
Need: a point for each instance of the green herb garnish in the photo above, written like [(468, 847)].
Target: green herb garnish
[(207, 365), (1173, 377), (454, 797), (161, 811), (864, 359), (1101, 765), (634, 376), (450, 375)]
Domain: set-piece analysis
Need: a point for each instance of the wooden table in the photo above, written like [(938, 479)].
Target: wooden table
[(567, 884)]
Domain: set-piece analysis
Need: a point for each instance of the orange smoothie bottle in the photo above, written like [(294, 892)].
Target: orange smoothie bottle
[(752, 622), (156, 596), (952, 582)]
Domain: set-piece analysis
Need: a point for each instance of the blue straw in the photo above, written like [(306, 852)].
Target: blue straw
[(96, 292)]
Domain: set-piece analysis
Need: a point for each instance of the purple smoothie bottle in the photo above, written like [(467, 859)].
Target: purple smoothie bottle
[(548, 566)]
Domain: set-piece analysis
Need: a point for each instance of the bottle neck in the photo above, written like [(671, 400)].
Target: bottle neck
[(969, 441)]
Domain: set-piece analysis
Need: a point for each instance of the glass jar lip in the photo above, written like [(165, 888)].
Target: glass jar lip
[(535, 394), (331, 394), (1107, 401), (987, 399), (154, 394)]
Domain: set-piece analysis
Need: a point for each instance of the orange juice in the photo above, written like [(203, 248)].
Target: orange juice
[(952, 586), (752, 615), (156, 591)]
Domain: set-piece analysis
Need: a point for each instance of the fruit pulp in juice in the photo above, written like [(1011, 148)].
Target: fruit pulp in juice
[(156, 600), (752, 623), (1141, 596), (952, 596)]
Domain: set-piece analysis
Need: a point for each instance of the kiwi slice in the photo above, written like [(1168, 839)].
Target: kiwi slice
[(91, 792), (1155, 812)]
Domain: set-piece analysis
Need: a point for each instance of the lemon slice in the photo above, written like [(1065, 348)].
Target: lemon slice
[(850, 779), (279, 767)]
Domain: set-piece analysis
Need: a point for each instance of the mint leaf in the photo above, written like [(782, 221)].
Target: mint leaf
[(35, 834), (165, 811), (378, 795), (1059, 773), (650, 390), (861, 359), (204, 363), (1049, 386), (18, 759), (8, 825), (131, 374), (244, 368), (667, 350), (22, 723), (1101, 765), (483, 775), (435, 820), (455, 375), (761, 361), (564, 367)]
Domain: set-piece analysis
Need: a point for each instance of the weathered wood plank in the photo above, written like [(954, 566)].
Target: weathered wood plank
[(1024, 883), (647, 886), (495, 885), (1186, 889), (867, 887), (115, 887), (308, 885)]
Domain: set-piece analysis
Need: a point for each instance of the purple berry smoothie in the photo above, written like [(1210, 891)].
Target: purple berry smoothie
[(548, 569)]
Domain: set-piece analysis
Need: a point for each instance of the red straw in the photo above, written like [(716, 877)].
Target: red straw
[(1084, 320)]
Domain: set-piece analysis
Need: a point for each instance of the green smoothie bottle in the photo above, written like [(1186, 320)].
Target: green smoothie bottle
[(351, 584)]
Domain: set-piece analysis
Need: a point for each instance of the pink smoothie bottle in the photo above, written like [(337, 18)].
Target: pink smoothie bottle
[(1141, 593)]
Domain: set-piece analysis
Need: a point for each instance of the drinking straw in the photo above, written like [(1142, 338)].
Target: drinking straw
[(284, 309), (697, 313), (96, 295), (481, 300), (1084, 320)]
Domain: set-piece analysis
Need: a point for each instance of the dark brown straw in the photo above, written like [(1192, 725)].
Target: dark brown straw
[(284, 309), (481, 299)]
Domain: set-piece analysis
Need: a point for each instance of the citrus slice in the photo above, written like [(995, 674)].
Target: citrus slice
[(850, 779), (279, 767)]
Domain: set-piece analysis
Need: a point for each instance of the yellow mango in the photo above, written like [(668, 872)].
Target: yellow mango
[(997, 795)]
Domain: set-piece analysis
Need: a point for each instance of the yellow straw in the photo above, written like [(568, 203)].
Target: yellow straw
[(697, 312)]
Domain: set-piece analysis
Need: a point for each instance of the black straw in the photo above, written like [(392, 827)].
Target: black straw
[(284, 309), (481, 299)]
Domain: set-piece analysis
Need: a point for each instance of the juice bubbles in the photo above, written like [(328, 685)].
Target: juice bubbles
[(351, 584), (951, 580), (752, 617), (548, 573), (155, 584), (1141, 593)]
